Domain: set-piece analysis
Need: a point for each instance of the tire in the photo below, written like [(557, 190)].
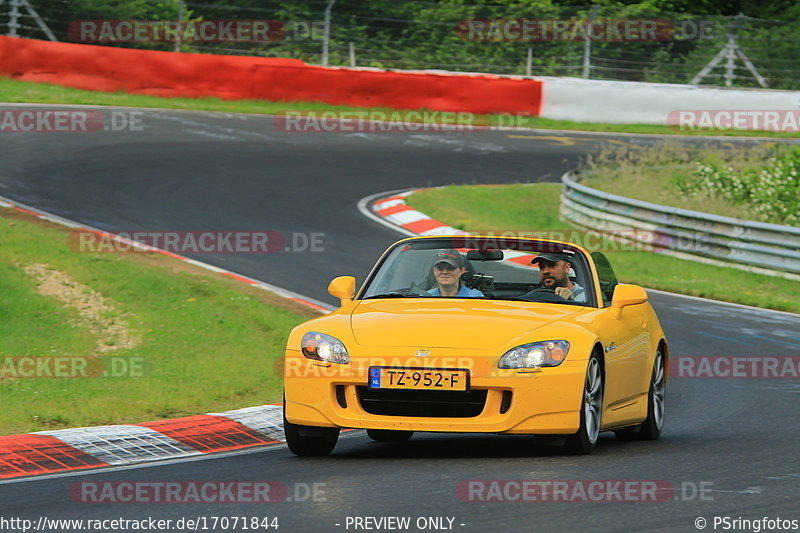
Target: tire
[(584, 441), (651, 428), (309, 441), (389, 435), (656, 401)]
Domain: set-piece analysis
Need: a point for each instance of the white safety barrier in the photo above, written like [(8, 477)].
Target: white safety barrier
[(755, 246), (649, 103)]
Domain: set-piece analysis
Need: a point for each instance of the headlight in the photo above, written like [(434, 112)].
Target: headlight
[(535, 355), (324, 348)]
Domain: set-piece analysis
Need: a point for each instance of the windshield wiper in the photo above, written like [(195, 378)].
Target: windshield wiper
[(390, 295)]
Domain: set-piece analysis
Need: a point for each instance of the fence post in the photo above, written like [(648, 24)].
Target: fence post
[(180, 27), (529, 66), (13, 18), (729, 52), (587, 44), (327, 32)]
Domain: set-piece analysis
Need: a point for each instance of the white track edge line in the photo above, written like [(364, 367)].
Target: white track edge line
[(742, 138), (363, 207)]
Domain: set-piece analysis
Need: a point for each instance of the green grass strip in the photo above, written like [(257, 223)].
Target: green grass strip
[(206, 342)]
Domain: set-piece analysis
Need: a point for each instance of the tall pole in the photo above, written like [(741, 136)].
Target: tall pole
[(327, 32), (180, 26), (729, 52), (732, 46), (587, 44), (730, 56), (13, 18), (529, 64)]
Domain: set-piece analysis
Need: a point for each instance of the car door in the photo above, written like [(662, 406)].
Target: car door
[(625, 346)]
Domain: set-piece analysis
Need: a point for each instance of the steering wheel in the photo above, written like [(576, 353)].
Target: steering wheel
[(413, 290), (547, 295), (544, 289)]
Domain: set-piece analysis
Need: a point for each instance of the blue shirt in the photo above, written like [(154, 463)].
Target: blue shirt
[(463, 292), (578, 293)]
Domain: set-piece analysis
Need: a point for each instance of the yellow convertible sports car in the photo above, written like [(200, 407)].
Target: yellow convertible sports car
[(479, 334)]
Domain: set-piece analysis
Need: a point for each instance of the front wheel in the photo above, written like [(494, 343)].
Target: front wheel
[(389, 435), (309, 441), (585, 439)]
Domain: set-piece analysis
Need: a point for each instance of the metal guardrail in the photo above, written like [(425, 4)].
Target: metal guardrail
[(756, 244)]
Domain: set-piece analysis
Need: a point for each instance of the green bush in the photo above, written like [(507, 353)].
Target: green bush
[(771, 192)]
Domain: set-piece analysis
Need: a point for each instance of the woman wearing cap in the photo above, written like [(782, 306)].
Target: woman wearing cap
[(447, 268)]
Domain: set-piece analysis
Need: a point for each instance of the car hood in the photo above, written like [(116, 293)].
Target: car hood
[(450, 323)]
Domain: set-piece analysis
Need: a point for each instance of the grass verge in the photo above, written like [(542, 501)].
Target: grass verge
[(534, 207), (206, 342), (750, 185), (15, 91)]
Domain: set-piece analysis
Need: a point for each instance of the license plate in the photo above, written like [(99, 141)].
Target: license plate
[(418, 378)]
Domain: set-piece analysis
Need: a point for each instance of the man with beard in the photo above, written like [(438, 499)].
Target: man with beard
[(554, 274)]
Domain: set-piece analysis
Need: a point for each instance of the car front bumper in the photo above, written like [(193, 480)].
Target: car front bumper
[(544, 401)]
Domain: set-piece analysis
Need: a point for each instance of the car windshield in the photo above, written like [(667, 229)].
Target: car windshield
[(480, 267)]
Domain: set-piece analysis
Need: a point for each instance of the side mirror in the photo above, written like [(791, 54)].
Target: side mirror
[(344, 288), (626, 294)]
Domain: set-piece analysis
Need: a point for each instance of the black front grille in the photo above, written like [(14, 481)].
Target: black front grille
[(424, 403)]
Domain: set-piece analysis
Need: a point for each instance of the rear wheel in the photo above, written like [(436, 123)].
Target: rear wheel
[(309, 441), (585, 439), (389, 435), (651, 428), (656, 401)]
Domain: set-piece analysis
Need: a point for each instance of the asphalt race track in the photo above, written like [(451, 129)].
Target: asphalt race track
[(730, 446)]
